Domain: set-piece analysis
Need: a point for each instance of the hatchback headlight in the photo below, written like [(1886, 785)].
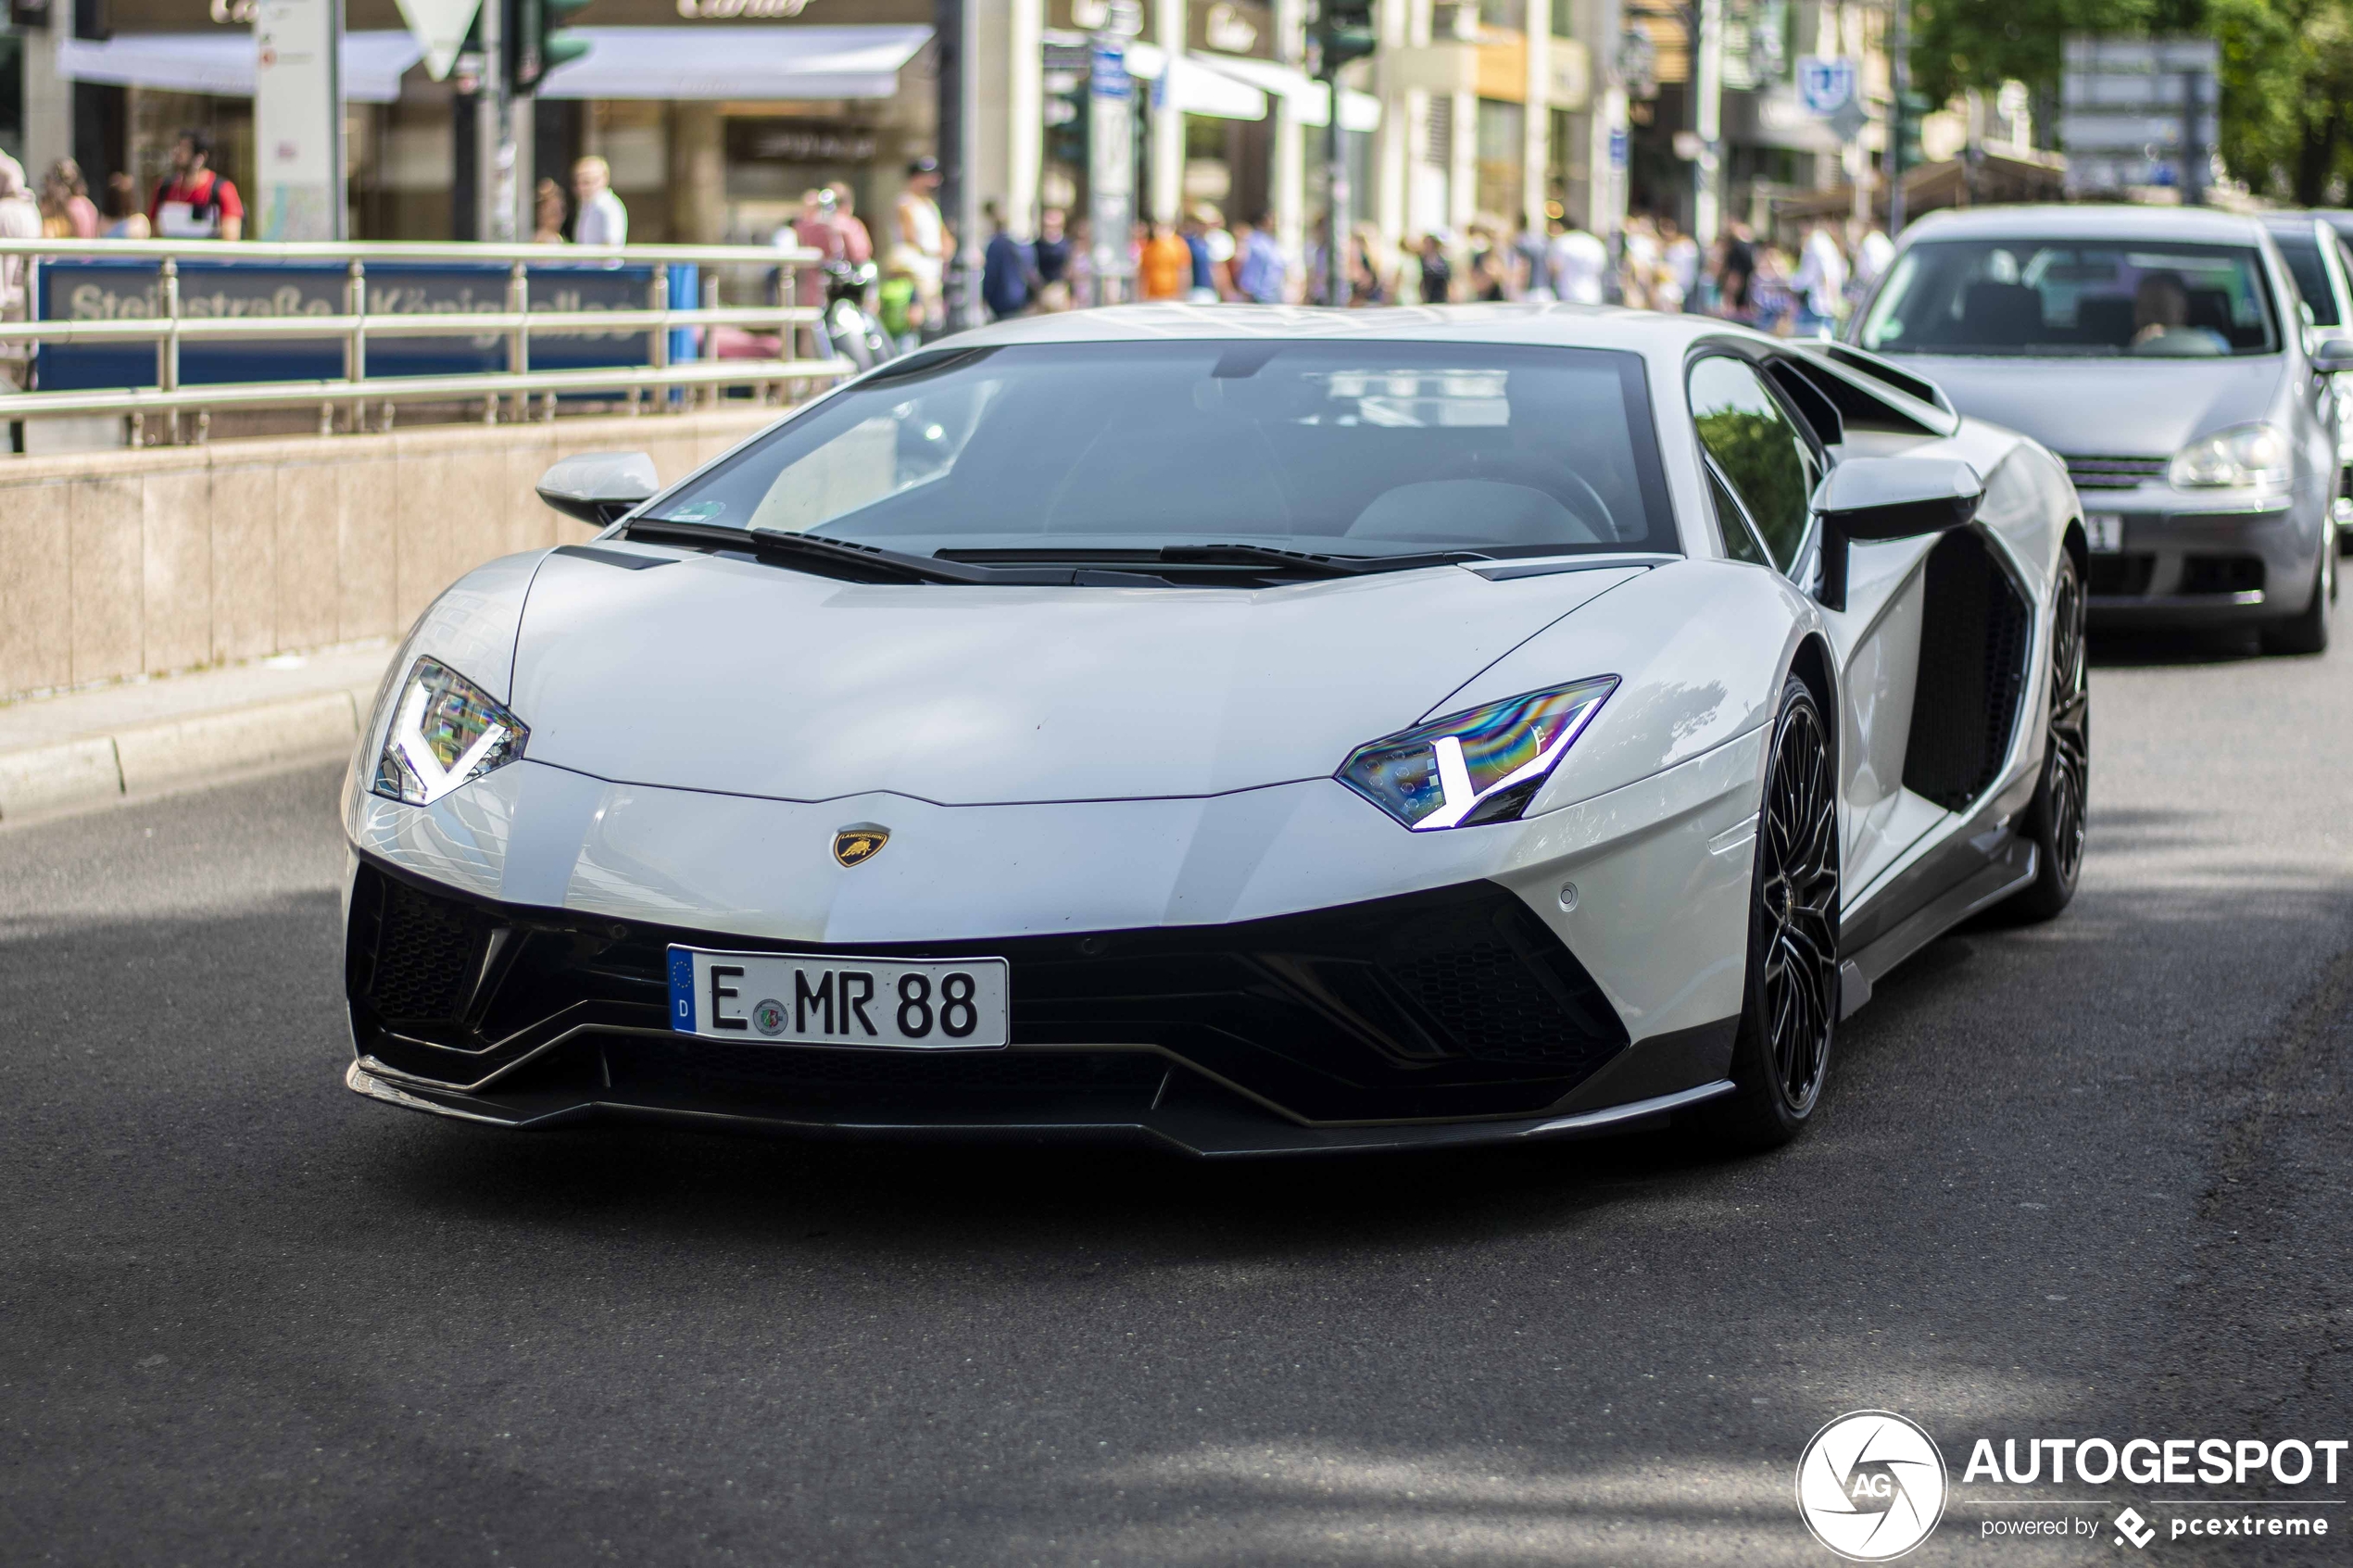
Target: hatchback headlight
[(1480, 766), (2243, 454), (445, 732)]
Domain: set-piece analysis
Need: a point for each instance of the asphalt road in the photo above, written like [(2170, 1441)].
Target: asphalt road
[(2088, 1178)]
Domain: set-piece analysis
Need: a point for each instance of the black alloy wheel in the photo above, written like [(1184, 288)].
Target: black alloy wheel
[(2057, 819), (1791, 1007)]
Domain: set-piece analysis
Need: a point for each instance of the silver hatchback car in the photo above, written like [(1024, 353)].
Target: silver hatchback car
[(2161, 354)]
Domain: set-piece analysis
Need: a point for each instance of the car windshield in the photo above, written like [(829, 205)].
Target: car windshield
[(1068, 450), (2073, 298), (2300, 249)]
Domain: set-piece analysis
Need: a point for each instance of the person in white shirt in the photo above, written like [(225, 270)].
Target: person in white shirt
[(1682, 263), (1820, 283), (20, 219), (1579, 261), (926, 238), (1871, 256), (603, 220)]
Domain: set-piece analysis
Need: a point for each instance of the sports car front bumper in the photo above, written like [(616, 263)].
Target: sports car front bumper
[(1444, 1016)]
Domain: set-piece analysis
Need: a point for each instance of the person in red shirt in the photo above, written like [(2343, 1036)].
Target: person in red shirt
[(196, 202)]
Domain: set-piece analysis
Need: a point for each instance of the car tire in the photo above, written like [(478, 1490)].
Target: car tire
[(2055, 819), (2307, 632), (1789, 995)]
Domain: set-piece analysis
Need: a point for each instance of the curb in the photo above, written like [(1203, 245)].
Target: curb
[(171, 754)]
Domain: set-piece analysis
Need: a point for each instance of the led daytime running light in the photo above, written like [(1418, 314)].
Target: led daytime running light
[(445, 732), (1479, 766)]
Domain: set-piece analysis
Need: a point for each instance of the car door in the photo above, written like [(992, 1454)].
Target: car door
[(1762, 450)]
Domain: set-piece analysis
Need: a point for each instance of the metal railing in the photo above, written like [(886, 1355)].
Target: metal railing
[(786, 377)]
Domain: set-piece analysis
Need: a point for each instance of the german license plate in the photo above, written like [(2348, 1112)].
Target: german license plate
[(958, 1004), (2104, 532)]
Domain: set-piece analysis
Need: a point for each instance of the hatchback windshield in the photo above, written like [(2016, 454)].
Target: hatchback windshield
[(2073, 298), (1367, 449)]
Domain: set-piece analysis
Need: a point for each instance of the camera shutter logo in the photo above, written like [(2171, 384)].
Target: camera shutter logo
[(1870, 1485)]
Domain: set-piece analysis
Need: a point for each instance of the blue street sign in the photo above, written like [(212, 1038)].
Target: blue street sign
[(100, 290), (1825, 82)]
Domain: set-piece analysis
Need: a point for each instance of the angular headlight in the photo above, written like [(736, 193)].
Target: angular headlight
[(2254, 454), (1483, 766), (445, 731)]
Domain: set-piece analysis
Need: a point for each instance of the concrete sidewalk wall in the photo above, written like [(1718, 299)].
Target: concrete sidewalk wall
[(143, 562)]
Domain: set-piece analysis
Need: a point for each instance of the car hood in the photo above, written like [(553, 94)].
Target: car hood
[(726, 675), (2107, 407)]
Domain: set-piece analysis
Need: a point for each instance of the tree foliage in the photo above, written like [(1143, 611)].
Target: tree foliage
[(1962, 44), (2287, 71), (2287, 93)]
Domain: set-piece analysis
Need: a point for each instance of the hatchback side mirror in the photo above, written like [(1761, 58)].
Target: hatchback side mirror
[(597, 487), (2332, 356), (1872, 498)]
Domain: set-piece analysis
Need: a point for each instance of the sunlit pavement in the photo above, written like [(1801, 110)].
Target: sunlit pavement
[(2085, 1178)]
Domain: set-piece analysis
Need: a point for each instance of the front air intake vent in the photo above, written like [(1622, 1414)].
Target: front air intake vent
[(426, 953)]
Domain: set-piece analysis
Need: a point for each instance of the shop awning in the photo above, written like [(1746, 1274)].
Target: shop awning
[(737, 62), (222, 62), (1192, 88), (1310, 100)]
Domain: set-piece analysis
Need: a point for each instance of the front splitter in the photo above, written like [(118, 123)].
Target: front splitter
[(1197, 1125)]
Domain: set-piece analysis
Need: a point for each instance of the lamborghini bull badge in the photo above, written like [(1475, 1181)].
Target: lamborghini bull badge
[(858, 843)]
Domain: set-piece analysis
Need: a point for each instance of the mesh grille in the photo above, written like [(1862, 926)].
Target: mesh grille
[(2113, 473), (424, 955), (1492, 1002)]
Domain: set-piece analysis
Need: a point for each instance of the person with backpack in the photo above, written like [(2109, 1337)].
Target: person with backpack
[(197, 202)]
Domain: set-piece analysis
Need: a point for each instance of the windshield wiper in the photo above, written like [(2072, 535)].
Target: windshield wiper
[(1249, 560), (1302, 564), (861, 563)]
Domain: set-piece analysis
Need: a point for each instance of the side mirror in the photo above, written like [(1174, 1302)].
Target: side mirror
[(597, 487), (1872, 498), (2332, 356)]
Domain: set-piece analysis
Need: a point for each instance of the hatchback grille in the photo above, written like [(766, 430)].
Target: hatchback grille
[(2113, 473)]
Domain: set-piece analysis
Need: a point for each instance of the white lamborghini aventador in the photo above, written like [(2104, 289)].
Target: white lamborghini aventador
[(1250, 730)]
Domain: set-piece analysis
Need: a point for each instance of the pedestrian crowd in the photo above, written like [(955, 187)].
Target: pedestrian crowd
[(1804, 292)]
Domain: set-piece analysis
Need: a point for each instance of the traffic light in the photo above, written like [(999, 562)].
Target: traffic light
[(1344, 32), (536, 42), (1911, 109)]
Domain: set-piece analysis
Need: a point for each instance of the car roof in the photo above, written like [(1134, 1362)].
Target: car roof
[(2297, 223), (1534, 322), (2088, 221)]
